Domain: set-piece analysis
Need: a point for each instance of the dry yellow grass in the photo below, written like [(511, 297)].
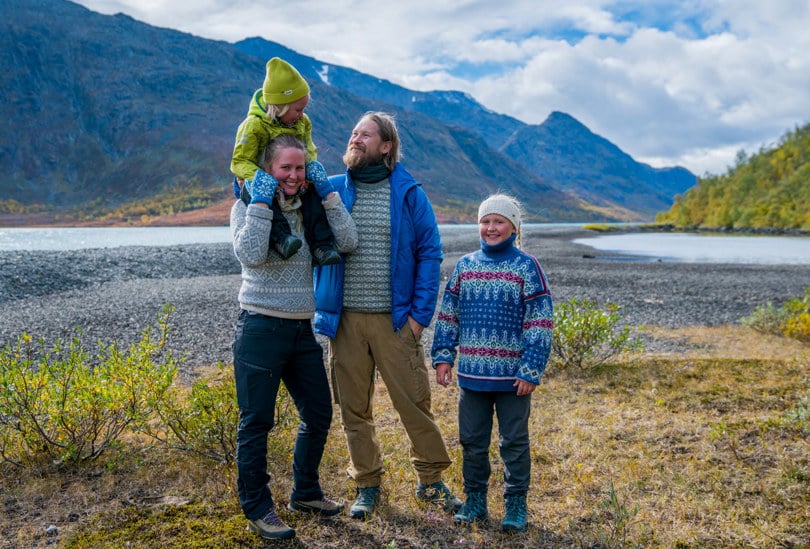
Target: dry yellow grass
[(689, 448)]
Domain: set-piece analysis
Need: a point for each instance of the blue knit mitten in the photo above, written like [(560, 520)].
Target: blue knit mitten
[(237, 190), (262, 187), (317, 174)]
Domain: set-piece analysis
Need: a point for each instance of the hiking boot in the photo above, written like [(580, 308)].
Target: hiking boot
[(366, 501), (271, 527), (326, 256), (323, 506), (439, 494), (515, 519), (287, 246), (474, 509)]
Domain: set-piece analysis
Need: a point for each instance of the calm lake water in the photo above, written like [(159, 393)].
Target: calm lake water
[(704, 248), (683, 247), (75, 238)]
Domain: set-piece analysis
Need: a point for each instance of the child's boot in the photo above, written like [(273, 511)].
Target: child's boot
[(287, 245), (325, 256), (515, 519), (474, 509)]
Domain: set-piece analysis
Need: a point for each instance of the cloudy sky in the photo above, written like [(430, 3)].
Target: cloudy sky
[(680, 82)]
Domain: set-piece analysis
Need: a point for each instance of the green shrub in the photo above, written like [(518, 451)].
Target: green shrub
[(586, 335), (798, 327), (201, 420), (791, 320), (767, 319), (65, 407), (800, 414)]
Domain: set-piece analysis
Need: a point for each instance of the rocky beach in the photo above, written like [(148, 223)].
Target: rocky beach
[(113, 294)]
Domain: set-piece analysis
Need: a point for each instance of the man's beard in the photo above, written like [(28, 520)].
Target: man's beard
[(356, 159)]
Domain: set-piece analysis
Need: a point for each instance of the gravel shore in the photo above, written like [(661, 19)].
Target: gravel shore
[(115, 293)]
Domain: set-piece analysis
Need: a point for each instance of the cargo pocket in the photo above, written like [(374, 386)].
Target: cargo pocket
[(416, 360)]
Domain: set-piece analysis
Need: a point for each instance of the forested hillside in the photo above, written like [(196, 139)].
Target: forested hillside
[(770, 189)]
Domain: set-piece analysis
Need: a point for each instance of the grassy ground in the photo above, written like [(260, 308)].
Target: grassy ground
[(706, 446)]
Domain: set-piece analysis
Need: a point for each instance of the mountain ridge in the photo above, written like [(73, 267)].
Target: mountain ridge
[(115, 112)]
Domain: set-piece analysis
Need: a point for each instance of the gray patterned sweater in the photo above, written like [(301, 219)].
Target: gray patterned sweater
[(271, 285)]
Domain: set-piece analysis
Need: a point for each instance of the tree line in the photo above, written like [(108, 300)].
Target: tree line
[(767, 190)]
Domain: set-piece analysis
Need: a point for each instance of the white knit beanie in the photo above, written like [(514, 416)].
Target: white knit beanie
[(504, 205)]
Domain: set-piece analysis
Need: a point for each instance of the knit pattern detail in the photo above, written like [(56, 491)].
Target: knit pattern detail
[(271, 285), (367, 286), (497, 318)]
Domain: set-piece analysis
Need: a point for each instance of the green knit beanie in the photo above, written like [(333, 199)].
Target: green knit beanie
[(283, 83)]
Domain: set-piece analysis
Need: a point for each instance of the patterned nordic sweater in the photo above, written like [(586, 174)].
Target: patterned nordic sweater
[(497, 314), (282, 287)]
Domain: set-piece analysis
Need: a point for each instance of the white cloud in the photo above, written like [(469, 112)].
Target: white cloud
[(677, 82)]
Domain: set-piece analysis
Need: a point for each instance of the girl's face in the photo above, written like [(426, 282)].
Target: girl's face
[(495, 228), (289, 169), (295, 111)]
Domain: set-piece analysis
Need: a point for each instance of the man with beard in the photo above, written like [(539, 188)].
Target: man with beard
[(374, 306)]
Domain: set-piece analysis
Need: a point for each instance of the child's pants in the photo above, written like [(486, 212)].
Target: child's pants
[(475, 413)]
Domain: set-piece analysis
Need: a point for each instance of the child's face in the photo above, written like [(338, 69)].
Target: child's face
[(495, 228), (289, 169), (295, 111)]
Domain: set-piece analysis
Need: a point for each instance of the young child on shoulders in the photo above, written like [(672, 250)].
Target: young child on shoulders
[(495, 321), (276, 109)]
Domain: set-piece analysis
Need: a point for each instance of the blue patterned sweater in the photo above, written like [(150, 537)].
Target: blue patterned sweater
[(497, 315)]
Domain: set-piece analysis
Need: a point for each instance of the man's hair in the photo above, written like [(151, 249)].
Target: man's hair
[(388, 132), (283, 141)]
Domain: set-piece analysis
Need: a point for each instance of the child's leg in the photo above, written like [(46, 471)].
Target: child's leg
[(475, 431), (513, 425), (280, 227), (317, 230), (281, 238)]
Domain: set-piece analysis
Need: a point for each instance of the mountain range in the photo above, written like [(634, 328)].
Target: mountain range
[(103, 110)]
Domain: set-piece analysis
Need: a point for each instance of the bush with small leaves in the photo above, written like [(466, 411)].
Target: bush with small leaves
[(586, 335), (791, 320), (767, 319), (63, 406), (202, 419)]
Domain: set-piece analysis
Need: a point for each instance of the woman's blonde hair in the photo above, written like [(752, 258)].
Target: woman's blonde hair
[(283, 141)]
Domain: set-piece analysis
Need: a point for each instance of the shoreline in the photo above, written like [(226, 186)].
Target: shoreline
[(218, 214), (113, 294)]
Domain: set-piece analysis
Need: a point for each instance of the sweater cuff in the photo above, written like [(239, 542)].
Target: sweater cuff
[(333, 202), (259, 211)]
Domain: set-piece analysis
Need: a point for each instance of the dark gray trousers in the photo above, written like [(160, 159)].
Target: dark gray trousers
[(476, 410)]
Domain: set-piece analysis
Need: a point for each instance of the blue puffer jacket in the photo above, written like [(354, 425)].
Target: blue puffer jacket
[(416, 257)]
